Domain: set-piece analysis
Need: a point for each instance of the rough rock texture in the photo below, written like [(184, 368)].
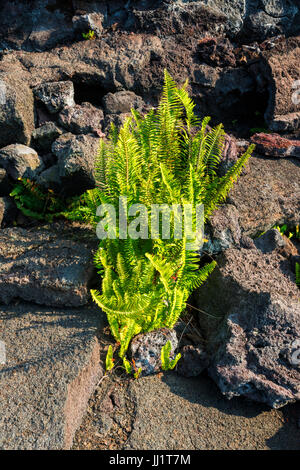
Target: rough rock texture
[(229, 155), (35, 25), (270, 241), (116, 119), (193, 361), (280, 69), (121, 102), (52, 367), (44, 136), (45, 267), (8, 210), (89, 21), (82, 119), (76, 159), (42, 24), (50, 178), (16, 109), (252, 348), (146, 348), (276, 146), (2, 208), (55, 95), (223, 229), (4, 183), (172, 412), (267, 194), (20, 161)]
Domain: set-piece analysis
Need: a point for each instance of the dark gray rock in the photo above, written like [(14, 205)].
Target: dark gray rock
[(115, 119), (146, 348), (35, 25), (254, 299), (82, 119), (41, 267), (194, 360), (55, 95), (5, 187), (52, 368), (122, 102), (16, 110), (20, 161), (90, 21), (44, 136), (224, 230), (8, 211), (76, 161), (50, 178), (269, 241)]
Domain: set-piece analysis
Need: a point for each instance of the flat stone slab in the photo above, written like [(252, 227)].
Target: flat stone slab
[(45, 267), (167, 412), (52, 366), (190, 414)]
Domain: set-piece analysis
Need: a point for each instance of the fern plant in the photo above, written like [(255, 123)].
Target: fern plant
[(44, 205), (166, 362), (166, 157)]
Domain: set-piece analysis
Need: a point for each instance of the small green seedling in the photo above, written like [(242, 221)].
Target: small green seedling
[(90, 35), (166, 363), (109, 362), (282, 230), (127, 365), (137, 373)]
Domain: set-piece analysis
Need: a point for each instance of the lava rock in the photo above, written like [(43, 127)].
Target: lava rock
[(8, 211), (44, 136), (16, 110), (274, 145), (76, 161), (216, 52), (194, 360), (267, 195), (269, 241), (279, 67), (36, 25), (146, 348), (224, 229), (20, 161), (41, 267), (115, 119), (55, 95), (229, 155), (5, 187), (50, 178), (251, 339), (89, 21), (82, 119), (122, 102)]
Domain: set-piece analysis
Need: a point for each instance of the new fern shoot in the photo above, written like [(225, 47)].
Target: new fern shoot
[(166, 157)]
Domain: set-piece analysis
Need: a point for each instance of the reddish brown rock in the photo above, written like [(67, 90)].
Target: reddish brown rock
[(274, 145), (280, 68)]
